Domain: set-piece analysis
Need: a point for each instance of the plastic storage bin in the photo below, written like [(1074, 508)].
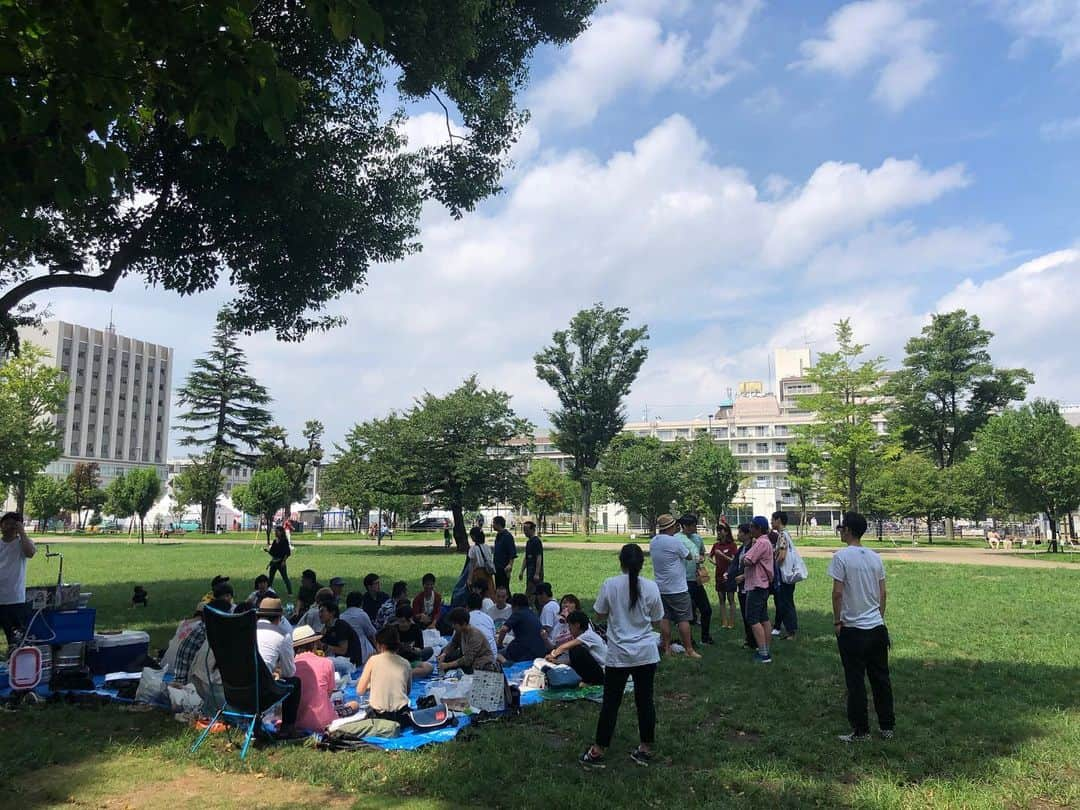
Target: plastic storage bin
[(117, 652), (63, 626)]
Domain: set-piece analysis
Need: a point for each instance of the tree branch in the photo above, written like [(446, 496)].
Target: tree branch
[(446, 114)]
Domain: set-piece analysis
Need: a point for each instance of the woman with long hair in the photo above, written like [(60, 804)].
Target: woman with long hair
[(481, 560), (280, 550), (631, 604), (721, 555)]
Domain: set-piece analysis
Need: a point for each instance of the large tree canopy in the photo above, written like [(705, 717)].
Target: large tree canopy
[(183, 141)]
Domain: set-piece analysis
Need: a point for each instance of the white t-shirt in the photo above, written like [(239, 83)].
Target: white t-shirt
[(630, 635), (549, 616), (595, 645), (669, 556), (482, 622), (862, 573), (499, 615), (12, 573), (275, 648)]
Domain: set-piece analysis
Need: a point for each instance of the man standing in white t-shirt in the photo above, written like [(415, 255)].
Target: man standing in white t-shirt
[(858, 601), (669, 557), (15, 549)]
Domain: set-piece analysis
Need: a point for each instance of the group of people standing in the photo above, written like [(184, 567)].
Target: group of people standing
[(632, 605)]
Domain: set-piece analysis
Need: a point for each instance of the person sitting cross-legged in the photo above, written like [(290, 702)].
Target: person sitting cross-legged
[(338, 636), (528, 643), (468, 650), (387, 678), (586, 649), (427, 607)]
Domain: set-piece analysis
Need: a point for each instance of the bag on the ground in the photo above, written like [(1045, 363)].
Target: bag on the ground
[(793, 569), (562, 677), (533, 679), (433, 717), (488, 691), (184, 699), (152, 687)]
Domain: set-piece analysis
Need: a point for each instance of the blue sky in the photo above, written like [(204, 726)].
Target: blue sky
[(739, 174)]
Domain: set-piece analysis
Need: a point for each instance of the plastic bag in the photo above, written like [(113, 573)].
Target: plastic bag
[(152, 687), (184, 699)]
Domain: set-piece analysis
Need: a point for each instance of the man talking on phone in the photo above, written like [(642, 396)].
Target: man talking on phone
[(15, 549)]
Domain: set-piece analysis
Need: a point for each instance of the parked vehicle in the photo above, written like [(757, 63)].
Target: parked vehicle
[(429, 524)]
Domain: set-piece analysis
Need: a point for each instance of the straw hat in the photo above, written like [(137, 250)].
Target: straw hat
[(270, 607), (664, 522), (304, 634)]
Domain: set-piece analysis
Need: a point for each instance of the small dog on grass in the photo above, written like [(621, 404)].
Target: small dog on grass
[(140, 597)]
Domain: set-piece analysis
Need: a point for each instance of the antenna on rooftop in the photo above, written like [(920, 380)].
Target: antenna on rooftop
[(111, 328)]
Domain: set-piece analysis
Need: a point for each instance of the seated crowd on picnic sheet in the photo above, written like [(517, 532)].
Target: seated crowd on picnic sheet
[(322, 635)]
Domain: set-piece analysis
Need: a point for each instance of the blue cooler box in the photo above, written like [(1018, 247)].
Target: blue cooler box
[(63, 626), (116, 652)]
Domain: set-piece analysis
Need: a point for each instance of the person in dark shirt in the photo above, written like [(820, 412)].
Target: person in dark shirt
[(528, 643), (373, 596), (532, 568), (338, 636), (309, 586), (505, 552)]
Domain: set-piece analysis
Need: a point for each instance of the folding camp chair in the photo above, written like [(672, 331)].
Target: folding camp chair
[(249, 687)]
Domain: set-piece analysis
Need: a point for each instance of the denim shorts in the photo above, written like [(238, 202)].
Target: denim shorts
[(757, 605)]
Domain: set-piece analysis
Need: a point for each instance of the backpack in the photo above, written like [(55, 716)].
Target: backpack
[(433, 717), (562, 677)]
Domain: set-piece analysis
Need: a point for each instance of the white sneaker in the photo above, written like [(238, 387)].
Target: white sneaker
[(775, 632)]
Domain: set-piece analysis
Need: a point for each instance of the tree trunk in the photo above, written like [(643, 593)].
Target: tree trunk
[(20, 497), (586, 505), (1053, 544), (853, 492), (930, 529), (142, 531), (461, 539), (949, 529), (1072, 527)]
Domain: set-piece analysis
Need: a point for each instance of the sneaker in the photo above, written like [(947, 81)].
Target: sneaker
[(642, 758), (853, 737), (708, 640), (775, 632), (886, 734), (762, 658), (589, 761)]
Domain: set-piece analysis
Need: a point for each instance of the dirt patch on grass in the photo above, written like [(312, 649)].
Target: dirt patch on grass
[(130, 784)]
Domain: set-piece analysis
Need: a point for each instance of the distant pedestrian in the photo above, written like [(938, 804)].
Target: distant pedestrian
[(481, 560), (280, 550), (532, 567), (758, 569), (699, 597), (858, 601), (669, 557), (446, 536), (505, 552), (786, 615), (631, 605)]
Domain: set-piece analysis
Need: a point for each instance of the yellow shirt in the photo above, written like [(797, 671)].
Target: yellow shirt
[(389, 678)]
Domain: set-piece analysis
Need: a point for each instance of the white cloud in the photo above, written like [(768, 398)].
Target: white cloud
[(661, 228), (766, 101), (881, 35), (617, 52), (718, 61), (1062, 130), (889, 251), (1056, 21)]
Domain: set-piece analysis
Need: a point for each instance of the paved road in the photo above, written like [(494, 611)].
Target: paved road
[(950, 554)]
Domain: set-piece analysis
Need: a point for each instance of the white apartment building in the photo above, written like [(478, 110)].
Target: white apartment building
[(756, 427), (117, 410)]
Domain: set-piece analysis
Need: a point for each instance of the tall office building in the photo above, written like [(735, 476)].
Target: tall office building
[(117, 410)]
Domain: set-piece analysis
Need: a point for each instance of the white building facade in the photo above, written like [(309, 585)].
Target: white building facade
[(117, 410)]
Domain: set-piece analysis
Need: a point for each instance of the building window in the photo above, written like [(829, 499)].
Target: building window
[(762, 481), (683, 433), (744, 465), (742, 431), (665, 435), (763, 447), (781, 447), (762, 464), (761, 430), (720, 433), (742, 447)]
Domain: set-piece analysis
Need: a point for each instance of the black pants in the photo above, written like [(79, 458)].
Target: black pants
[(865, 654), (700, 599), (785, 608), (275, 567), (582, 662), (502, 580), (13, 620), (746, 628), (614, 685), (291, 704)]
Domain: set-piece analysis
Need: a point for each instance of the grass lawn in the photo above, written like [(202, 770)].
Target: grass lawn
[(984, 664)]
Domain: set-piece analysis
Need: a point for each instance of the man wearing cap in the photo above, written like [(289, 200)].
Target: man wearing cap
[(669, 557), (15, 549), (337, 586), (276, 650), (758, 572), (698, 597)]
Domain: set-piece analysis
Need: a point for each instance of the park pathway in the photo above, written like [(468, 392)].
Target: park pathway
[(942, 554)]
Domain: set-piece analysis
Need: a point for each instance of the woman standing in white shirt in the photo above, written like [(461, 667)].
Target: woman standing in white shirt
[(632, 606)]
